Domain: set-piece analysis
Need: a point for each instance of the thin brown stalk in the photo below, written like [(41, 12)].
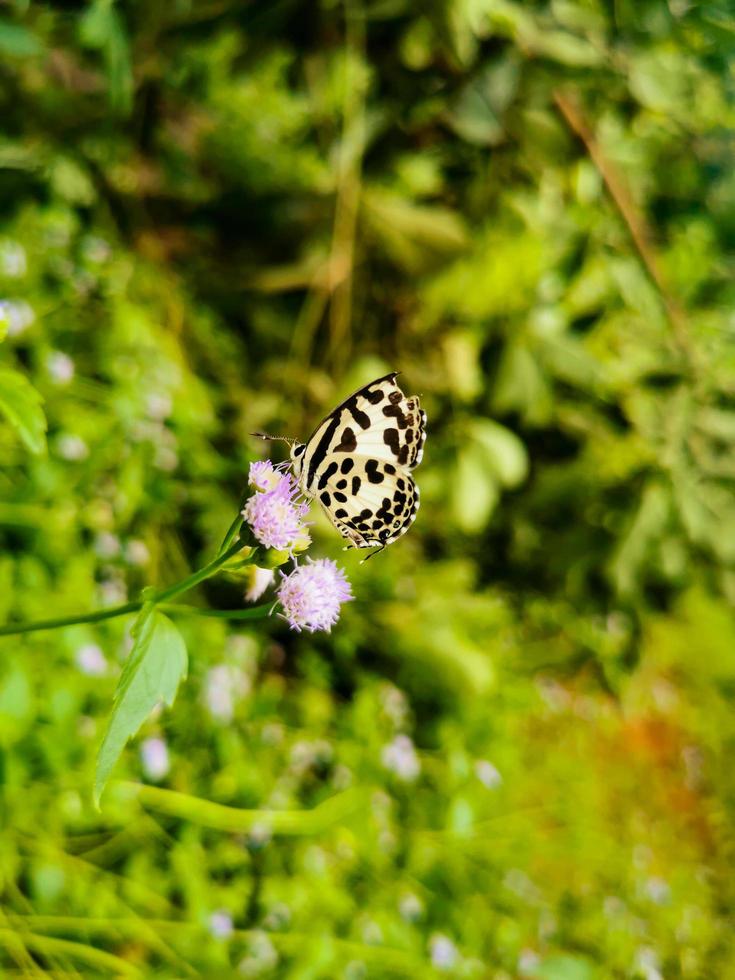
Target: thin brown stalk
[(634, 219)]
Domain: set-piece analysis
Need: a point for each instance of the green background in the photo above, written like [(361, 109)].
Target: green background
[(221, 217)]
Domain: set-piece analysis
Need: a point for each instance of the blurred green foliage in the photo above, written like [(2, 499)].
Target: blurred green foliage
[(219, 218)]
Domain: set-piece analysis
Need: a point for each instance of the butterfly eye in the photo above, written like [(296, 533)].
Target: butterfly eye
[(298, 451)]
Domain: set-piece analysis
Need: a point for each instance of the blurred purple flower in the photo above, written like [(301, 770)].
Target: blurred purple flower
[(312, 594), (443, 952), (91, 660), (274, 511), (60, 367), (220, 924), (399, 756), (224, 685), (487, 773), (154, 758), (16, 316)]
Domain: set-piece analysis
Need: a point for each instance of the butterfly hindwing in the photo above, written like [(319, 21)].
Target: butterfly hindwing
[(369, 501), (357, 463)]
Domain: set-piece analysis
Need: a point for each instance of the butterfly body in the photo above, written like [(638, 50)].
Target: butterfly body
[(357, 463)]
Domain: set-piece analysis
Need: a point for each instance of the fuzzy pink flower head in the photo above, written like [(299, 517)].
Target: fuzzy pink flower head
[(263, 476), (275, 514), (312, 594)]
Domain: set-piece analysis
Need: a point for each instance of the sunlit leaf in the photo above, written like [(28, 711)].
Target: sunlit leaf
[(17, 41), (504, 453), (475, 490), (151, 675), (20, 403)]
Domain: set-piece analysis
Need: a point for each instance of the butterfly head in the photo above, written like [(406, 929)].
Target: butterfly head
[(297, 458)]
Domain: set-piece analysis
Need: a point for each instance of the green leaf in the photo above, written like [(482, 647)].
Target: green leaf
[(101, 27), (503, 451), (565, 968), (476, 116), (636, 544), (475, 490), (152, 672), (21, 404), (17, 41)]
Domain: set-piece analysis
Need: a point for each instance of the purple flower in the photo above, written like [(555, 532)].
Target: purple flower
[(312, 594), (154, 759), (220, 924), (400, 757), (263, 476), (443, 952), (274, 511), (91, 660)]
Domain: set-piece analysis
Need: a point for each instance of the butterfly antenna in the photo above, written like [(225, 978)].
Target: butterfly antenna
[(265, 436)]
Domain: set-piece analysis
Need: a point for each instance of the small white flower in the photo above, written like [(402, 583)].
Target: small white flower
[(400, 757), (306, 755), (259, 837), (71, 448), (91, 660), (13, 260), (355, 970), (136, 552), (658, 890), (487, 774), (443, 952), (648, 963), (113, 591), (528, 962), (154, 759), (159, 405), (107, 545), (15, 316), (258, 581), (279, 917), (394, 704), (411, 907), (60, 367), (166, 459), (261, 956), (372, 934), (272, 733), (96, 249), (223, 686), (220, 924)]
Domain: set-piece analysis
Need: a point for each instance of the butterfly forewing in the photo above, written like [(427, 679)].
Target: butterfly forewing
[(357, 463)]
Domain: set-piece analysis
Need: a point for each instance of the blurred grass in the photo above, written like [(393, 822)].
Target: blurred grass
[(219, 219)]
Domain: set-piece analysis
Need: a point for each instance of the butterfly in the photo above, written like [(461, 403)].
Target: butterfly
[(357, 463)]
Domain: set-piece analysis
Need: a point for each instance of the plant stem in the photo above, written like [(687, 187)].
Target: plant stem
[(196, 577), (159, 597), (94, 617), (254, 612)]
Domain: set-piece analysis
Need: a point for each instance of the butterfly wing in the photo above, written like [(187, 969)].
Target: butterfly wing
[(357, 463), (370, 502)]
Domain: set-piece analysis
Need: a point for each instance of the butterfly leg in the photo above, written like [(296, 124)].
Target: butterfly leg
[(373, 553)]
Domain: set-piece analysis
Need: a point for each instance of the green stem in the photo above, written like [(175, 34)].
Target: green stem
[(95, 617), (196, 577), (236, 526), (255, 612), (173, 590)]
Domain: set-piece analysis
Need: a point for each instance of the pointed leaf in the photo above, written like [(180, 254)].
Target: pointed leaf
[(152, 672), (21, 404)]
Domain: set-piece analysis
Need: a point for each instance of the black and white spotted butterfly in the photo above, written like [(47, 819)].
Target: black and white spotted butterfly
[(357, 463)]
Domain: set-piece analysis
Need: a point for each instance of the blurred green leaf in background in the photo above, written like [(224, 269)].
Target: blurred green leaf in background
[(512, 756)]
